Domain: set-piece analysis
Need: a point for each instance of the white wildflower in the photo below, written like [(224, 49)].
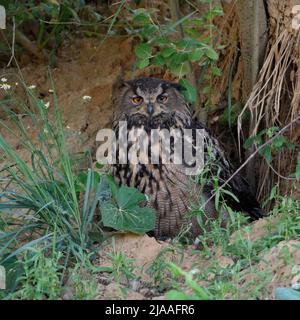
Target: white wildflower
[(5, 86), (17, 83), (47, 105), (3, 79), (33, 86), (68, 127), (194, 271), (50, 91), (87, 98)]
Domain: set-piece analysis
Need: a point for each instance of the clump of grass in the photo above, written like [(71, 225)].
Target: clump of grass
[(39, 199), (42, 276), (82, 281)]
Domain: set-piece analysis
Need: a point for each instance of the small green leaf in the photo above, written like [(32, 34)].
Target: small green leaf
[(291, 146), (148, 30), (194, 34), (99, 165), (196, 55), (187, 44), (278, 142), (143, 63), (161, 41), (83, 179), (190, 92), (211, 54), (143, 51), (167, 52), (141, 19), (206, 90), (158, 60), (270, 131), (249, 142), (180, 70), (178, 58), (266, 152), (216, 71)]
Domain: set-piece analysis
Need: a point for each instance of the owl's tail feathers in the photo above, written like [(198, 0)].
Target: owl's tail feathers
[(249, 204), (247, 201), (256, 213)]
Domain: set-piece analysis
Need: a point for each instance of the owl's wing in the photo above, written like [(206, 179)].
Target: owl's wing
[(219, 165)]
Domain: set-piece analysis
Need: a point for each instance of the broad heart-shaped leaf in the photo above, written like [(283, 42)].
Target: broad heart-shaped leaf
[(143, 51), (129, 197), (190, 93), (126, 214), (287, 294), (137, 220)]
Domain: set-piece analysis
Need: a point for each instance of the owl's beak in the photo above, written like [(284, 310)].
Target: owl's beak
[(150, 108)]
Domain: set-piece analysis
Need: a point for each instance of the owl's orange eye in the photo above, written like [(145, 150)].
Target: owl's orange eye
[(162, 98), (137, 100)]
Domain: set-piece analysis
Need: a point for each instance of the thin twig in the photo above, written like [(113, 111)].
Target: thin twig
[(279, 175), (13, 43)]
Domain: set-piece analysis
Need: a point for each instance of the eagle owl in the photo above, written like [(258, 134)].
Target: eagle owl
[(151, 103)]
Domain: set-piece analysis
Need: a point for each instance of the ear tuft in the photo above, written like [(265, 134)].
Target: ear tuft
[(128, 84), (120, 84), (176, 86)]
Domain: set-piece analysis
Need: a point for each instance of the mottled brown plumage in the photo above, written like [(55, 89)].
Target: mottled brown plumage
[(151, 103)]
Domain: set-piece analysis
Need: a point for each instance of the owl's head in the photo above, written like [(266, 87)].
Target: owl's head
[(152, 101)]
